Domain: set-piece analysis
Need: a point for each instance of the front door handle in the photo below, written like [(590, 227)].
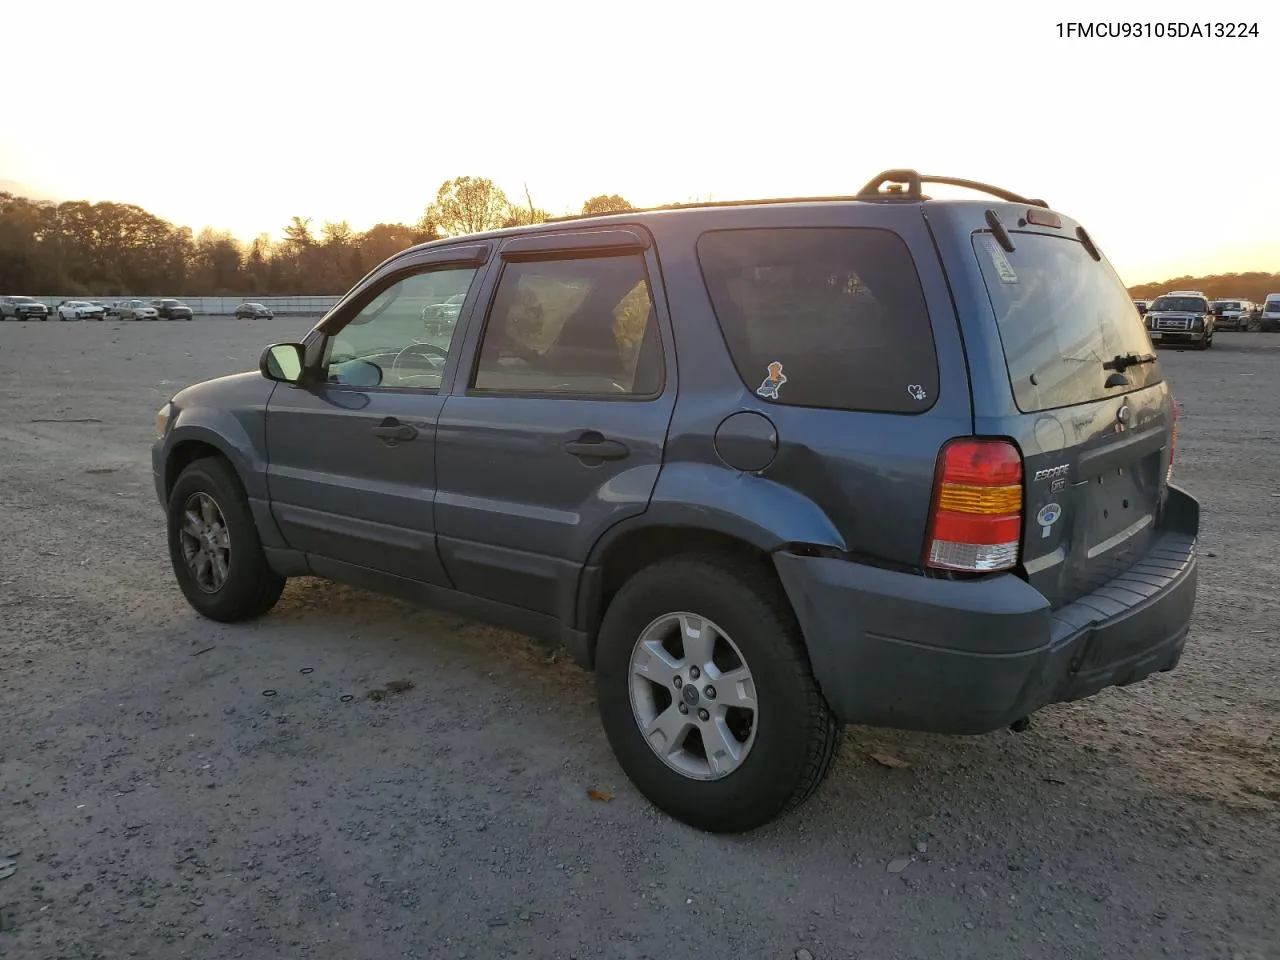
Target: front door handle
[(393, 431), (593, 446)]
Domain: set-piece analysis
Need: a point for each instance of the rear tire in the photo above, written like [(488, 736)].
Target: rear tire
[(787, 744), (240, 585)]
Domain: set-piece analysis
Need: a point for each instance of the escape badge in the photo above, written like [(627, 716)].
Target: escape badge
[(775, 379)]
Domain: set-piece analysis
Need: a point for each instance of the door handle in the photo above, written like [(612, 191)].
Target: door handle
[(392, 430), (593, 446)]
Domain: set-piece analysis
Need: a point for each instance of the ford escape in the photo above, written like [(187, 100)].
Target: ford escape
[(766, 467)]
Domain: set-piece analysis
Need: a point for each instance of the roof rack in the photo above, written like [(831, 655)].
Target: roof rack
[(913, 181), (697, 204), (894, 193)]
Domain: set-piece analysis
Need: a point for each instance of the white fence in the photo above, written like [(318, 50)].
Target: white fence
[(222, 306)]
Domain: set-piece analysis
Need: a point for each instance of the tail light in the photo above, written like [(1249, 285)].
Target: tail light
[(1173, 443), (976, 522)]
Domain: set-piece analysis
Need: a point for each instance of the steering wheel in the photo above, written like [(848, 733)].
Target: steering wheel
[(430, 349)]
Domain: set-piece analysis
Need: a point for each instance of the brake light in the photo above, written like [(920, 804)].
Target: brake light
[(1173, 443), (976, 521)]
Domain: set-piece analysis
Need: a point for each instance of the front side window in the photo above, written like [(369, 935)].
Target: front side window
[(583, 326), (388, 343), (821, 317)]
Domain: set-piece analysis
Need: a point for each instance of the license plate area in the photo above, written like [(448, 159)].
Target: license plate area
[(1119, 506)]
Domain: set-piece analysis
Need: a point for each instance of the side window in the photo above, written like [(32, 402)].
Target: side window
[(400, 338), (830, 318), (582, 326)]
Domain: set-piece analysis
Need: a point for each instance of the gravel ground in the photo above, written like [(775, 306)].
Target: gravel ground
[(156, 801)]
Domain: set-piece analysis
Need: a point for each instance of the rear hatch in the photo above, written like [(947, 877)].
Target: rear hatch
[(1090, 409)]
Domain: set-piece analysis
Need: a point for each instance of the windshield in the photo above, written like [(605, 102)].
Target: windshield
[(1061, 315), (1272, 304), (1183, 304), (24, 300)]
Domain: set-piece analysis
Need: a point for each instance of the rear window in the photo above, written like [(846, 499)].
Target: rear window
[(1061, 315), (830, 318)]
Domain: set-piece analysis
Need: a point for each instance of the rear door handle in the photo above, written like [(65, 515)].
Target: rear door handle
[(392, 430), (592, 445)]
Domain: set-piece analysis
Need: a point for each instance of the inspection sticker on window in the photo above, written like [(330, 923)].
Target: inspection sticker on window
[(1001, 263)]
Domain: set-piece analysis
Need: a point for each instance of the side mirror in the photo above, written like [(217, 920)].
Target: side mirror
[(282, 362)]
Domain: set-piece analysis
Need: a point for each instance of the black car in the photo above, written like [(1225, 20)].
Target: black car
[(172, 309), (23, 308), (765, 467), (251, 311)]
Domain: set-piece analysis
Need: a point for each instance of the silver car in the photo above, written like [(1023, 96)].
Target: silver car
[(135, 310)]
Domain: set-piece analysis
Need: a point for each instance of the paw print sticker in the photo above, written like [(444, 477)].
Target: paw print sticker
[(917, 392)]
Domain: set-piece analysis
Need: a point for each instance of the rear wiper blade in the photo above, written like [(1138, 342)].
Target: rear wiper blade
[(1121, 363)]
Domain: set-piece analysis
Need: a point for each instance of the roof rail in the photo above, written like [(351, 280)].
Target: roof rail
[(913, 181)]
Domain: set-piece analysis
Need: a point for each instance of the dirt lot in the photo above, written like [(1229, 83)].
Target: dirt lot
[(155, 801)]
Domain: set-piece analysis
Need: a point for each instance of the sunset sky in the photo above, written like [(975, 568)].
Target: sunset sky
[(239, 115)]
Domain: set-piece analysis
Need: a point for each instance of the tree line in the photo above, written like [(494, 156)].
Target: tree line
[(1220, 286), (113, 249)]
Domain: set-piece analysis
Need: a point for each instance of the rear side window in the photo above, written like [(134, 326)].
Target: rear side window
[(1061, 315), (830, 318)]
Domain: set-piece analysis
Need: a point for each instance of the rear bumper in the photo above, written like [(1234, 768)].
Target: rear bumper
[(899, 650)]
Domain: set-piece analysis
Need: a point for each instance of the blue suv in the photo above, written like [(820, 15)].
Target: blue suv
[(765, 467)]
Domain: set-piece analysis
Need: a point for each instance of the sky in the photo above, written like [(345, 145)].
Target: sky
[(239, 115)]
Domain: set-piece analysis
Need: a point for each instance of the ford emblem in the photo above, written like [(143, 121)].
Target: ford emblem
[(1048, 515)]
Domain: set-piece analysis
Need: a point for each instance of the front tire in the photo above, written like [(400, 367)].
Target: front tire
[(214, 547), (754, 737)]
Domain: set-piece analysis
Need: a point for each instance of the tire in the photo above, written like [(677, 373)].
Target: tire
[(786, 758), (249, 587)]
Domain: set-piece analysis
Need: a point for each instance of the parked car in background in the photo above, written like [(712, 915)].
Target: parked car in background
[(253, 311), (1270, 317), (1143, 306), (1181, 317), (1232, 314), (22, 308), (439, 318), (80, 310), (170, 309), (731, 557), (136, 310)]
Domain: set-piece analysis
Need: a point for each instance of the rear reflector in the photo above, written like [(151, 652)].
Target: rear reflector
[(976, 522)]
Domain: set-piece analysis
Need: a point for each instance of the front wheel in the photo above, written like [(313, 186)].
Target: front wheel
[(707, 696), (214, 547)]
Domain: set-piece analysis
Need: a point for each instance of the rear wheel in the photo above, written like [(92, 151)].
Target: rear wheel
[(707, 697), (214, 547)]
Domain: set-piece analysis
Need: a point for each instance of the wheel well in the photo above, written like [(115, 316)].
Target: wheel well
[(182, 456), (634, 551)]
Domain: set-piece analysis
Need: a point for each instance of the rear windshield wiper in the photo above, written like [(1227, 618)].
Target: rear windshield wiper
[(1121, 363)]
